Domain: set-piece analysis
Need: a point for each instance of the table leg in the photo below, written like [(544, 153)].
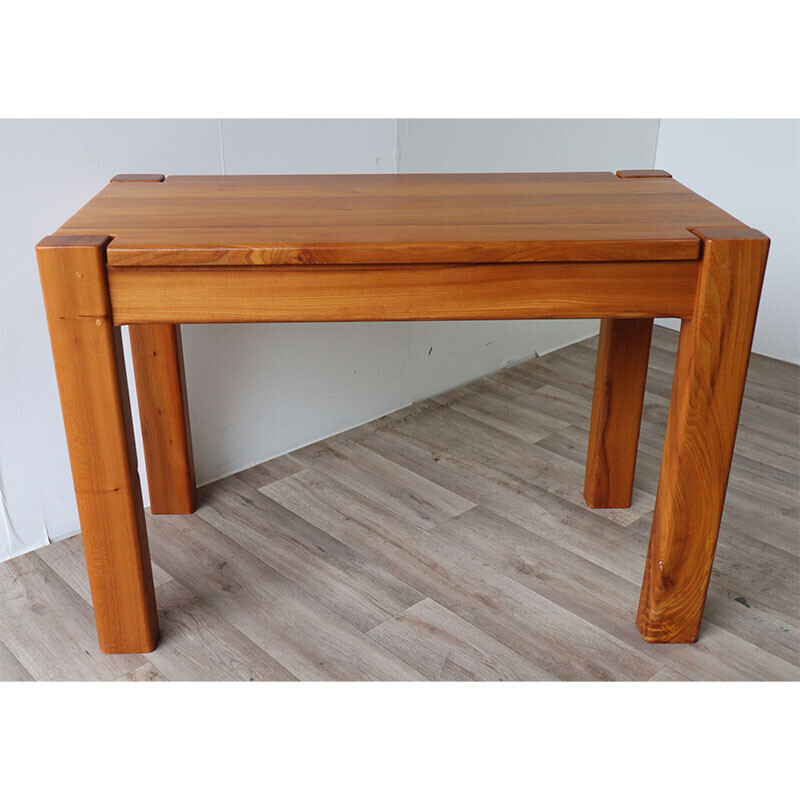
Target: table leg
[(164, 413), (622, 355), (713, 354), (87, 351)]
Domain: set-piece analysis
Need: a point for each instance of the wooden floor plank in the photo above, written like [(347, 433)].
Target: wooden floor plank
[(49, 628), (356, 588), (527, 424), (748, 618), (775, 524), (10, 668), (491, 386), (262, 474), (447, 648), (570, 407), (404, 492), (668, 674), (199, 645), (297, 631), (147, 673)]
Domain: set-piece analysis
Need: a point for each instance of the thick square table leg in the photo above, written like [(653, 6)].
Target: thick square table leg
[(163, 410), (713, 354), (89, 365), (622, 355)]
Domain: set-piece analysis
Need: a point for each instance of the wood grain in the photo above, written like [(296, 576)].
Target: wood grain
[(387, 219), (409, 292), (619, 383), (147, 673), (303, 635), (643, 173), (403, 491), (91, 380), (707, 392), (50, 629), (447, 648), (164, 413), (10, 668), (204, 646), (358, 590), (530, 624)]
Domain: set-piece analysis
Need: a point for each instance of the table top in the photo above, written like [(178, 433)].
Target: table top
[(392, 219)]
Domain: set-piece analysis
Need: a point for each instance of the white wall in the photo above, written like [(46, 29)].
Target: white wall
[(255, 391), (48, 169), (751, 168)]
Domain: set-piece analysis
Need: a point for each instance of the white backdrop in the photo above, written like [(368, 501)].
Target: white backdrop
[(256, 391)]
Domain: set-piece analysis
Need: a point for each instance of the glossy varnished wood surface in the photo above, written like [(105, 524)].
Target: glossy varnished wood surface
[(643, 173), (157, 353), (619, 384), (379, 219), (709, 380), (367, 555), (92, 385), (403, 292)]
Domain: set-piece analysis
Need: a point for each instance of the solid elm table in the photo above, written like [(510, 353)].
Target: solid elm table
[(154, 253)]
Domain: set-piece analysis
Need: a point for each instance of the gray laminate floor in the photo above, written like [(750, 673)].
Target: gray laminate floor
[(446, 541)]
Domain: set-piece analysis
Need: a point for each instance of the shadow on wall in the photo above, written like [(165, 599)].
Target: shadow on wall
[(272, 388)]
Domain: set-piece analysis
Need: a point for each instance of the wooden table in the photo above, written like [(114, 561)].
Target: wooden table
[(154, 253)]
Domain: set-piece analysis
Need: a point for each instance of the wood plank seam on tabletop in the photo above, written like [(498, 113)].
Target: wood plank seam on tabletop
[(373, 219)]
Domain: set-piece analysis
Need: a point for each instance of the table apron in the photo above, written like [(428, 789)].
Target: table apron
[(403, 292)]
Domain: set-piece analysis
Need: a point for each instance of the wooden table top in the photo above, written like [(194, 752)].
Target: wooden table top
[(390, 219)]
